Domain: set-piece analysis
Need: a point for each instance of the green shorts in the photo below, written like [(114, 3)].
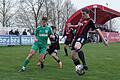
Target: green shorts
[(36, 46)]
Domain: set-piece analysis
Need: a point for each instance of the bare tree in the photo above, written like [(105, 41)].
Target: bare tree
[(7, 11), (65, 12), (59, 11), (30, 10)]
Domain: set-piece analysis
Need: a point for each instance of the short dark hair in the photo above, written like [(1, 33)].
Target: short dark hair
[(53, 27), (85, 10), (44, 18)]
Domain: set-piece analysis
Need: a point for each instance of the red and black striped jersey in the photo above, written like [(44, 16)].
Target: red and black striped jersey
[(55, 41), (69, 34), (83, 30)]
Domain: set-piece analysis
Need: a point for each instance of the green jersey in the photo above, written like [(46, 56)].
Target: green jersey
[(42, 34)]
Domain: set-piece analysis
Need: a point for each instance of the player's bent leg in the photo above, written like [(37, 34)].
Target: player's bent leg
[(39, 63), (41, 60), (32, 52), (74, 58), (78, 67), (25, 63), (65, 50), (54, 55), (78, 46), (42, 52), (82, 57)]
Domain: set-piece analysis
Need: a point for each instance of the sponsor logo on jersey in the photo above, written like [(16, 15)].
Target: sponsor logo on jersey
[(43, 34)]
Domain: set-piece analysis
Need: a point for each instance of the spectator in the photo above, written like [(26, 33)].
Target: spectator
[(11, 32), (17, 32), (28, 32), (24, 32)]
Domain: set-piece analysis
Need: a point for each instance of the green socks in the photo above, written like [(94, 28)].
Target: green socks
[(25, 62)]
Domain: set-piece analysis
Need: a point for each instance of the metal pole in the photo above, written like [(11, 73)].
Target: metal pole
[(95, 15), (110, 21)]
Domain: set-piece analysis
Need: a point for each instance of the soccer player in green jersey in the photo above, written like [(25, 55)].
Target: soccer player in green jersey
[(41, 35)]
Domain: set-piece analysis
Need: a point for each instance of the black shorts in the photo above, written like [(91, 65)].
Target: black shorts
[(67, 42), (81, 40), (52, 49)]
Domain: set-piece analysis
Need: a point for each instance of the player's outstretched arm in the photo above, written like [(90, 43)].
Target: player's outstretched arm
[(72, 26), (103, 39)]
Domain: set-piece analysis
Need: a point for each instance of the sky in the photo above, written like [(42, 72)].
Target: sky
[(113, 4)]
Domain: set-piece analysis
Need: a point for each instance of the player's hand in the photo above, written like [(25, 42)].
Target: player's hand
[(80, 24), (52, 37), (35, 40), (106, 42), (69, 25)]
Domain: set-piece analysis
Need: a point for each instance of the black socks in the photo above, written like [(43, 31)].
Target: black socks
[(66, 53), (82, 57), (76, 62)]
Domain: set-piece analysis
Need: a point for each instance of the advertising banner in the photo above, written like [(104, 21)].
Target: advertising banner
[(6, 40), (26, 40), (112, 36)]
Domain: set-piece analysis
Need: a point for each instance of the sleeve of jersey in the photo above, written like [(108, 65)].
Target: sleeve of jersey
[(36, 32), (50, 32), (93, 26)]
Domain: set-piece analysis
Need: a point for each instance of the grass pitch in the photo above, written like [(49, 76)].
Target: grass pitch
[(103, 63)]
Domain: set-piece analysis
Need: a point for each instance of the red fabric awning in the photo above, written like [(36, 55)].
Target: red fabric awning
[(103, 14)]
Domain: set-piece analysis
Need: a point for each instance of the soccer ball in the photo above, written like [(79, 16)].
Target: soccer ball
[(79, 69)]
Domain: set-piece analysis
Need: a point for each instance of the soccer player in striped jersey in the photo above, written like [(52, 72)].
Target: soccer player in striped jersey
[(81, 36), (69, 36)]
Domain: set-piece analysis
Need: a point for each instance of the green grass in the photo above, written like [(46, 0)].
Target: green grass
[(103, 62)]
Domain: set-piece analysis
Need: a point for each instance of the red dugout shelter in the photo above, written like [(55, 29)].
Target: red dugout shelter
[(100, 14)]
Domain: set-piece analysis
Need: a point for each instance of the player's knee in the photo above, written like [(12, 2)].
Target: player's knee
[(74, 55), (42, 57), (77, 46), (32, 52)]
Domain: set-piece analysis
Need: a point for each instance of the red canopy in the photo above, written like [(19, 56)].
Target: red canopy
[(99, 13)]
